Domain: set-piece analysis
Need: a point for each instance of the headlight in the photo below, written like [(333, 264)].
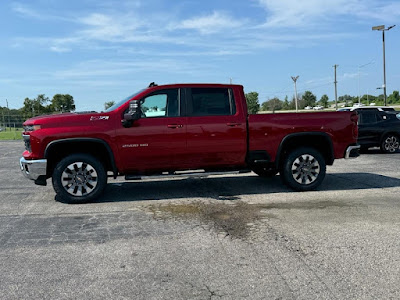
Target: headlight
[(31, 127)]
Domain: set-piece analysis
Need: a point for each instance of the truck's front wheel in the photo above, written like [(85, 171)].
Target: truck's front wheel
[(79, 178), (303, 169)]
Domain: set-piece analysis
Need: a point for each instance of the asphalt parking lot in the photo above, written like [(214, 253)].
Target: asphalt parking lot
[(234, 237)]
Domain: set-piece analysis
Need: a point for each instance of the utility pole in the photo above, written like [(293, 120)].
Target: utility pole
[(335, 82), (8, 115), (294, 78)]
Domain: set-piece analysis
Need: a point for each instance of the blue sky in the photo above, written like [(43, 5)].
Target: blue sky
[(101, 50)]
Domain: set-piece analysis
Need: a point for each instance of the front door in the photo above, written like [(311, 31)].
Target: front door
[(155, 140)]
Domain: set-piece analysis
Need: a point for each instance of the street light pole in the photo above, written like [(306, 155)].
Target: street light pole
[(383, 29), (335, 82), (294, 78)]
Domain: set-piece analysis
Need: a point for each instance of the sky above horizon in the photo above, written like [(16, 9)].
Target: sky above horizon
[(102, 50)]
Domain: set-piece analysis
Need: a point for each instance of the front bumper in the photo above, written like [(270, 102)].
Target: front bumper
[(32, 169), (352, 151)]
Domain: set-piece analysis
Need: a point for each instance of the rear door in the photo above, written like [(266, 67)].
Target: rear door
[(369, 127), (216, 128)]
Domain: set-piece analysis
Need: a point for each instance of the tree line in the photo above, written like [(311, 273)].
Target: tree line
[(310, 100), (41, 105)]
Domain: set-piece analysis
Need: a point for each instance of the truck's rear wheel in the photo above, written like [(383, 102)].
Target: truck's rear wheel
[(303, 169), (79, 178)]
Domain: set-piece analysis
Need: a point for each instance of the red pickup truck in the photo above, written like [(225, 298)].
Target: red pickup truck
[(182, 128)]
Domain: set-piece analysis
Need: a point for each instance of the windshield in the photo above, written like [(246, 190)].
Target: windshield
[(119, 103)]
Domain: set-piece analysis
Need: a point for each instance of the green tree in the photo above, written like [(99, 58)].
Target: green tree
[(108, 104), (272, 105), (35, 107), (252, 102), (393, 98), (62, 103), (367, 99), (347, 99), (286, 104), (324, 100), (309, 99)]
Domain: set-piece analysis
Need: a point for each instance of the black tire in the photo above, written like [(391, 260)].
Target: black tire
[(390, 143), (303, 169), (79, 178), (364, 149), (265, 172)]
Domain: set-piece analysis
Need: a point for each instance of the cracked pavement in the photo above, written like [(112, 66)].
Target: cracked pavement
[(234, 237)]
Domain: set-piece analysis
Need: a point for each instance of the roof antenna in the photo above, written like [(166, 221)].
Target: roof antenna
[(152, 84)]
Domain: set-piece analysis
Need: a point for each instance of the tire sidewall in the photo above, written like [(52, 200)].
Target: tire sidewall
[(286, 170), (384, 142), (63, 195)]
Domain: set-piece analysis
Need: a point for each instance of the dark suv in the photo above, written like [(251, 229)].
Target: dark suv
[(379, 129)]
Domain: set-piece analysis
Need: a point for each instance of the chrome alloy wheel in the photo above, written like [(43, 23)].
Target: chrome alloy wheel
[(305, 169), (79, 179), (391, 144)]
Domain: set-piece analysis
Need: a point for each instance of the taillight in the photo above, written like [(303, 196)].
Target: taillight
[(354, 118)]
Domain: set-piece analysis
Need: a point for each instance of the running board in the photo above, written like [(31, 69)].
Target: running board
[(180, 174)]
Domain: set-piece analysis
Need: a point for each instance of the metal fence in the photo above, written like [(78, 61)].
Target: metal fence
[(11, 121)]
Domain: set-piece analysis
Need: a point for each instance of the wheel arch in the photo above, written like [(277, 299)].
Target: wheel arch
[(58, 149), (389, 132), (318, 140)]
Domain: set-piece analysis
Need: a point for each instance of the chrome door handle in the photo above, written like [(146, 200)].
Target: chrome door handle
[(233, 124), (173, 126)]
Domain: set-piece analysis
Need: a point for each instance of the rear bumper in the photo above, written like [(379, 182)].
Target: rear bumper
[(352, 151), (32, 169)]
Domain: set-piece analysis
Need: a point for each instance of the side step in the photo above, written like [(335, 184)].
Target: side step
[(180, 174)]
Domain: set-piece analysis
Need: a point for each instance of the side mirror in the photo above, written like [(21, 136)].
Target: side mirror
[(133, 114)]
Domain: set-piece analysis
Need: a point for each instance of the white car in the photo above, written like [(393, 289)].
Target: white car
[(318, 107), (308, 107)]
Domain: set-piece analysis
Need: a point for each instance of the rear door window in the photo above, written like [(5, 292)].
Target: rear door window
[(211, 102), (368, 118)]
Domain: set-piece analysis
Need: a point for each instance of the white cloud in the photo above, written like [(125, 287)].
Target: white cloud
[(350, 75), (59, 49), (213, 23), (106, 68), (105, 27), (25, 11), (294, 13)]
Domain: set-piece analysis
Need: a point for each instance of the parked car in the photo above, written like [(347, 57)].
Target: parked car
[(318, 107), (378, 128), (308, 107), (358, 108)]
